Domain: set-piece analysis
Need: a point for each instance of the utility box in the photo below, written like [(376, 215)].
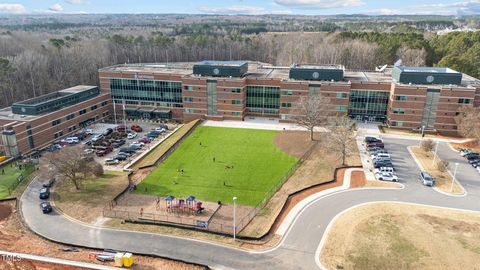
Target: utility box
[(128, 260), (317, 73), (426, 75)]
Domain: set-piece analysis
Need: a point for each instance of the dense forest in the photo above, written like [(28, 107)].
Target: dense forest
[(38, 58)]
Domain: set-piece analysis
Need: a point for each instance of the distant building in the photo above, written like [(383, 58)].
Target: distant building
[(401, 97), (36, 123)]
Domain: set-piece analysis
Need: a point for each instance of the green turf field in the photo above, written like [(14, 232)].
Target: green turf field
[(255, 166)]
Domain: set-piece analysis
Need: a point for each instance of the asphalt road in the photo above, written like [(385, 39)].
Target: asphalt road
[(297, 248)]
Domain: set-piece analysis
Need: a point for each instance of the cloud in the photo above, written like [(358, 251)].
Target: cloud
[(75, 2), (319, 4), (233, 10), (56, 8), (460, 8), (12, 8)]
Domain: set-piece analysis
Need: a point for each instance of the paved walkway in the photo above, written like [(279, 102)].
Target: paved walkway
[(300, 243), (256, 125)]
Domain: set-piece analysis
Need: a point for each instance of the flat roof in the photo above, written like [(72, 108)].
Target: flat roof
[(262, 70), (435, 70), (311, 66), (55, 95)]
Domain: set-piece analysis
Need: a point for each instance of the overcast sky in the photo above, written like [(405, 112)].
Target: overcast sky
[(308, 7)]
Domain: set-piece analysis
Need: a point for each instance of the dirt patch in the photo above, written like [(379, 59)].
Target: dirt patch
[(382, 184), (14, 237), (443, 180), (5, 211), (357, 179), (471, 145), (402, 236), (294, 143)]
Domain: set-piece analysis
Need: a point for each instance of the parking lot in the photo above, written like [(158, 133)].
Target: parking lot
[(106, 148)]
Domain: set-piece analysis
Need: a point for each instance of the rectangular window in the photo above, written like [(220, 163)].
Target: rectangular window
[(236, 90), (104, 103), (464, 101), (56, 122), (94, 107), (236, 113), (287, 92), (188, 110), (284, 116), (188, 87), (341, 108), (236, 102), (398, 110), (188, 99), (84, 111), (401, 98), (70, 116), (341, 95), (286, 105), (397, 123)]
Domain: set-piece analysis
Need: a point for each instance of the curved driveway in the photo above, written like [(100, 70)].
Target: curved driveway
[(298, 246)]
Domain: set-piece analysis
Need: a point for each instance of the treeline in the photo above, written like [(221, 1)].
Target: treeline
[(457, 50), (33, 64)]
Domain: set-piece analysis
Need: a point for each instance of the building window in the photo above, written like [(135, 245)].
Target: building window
[(287, 92), (341, 108), (397, 124), (398, 110), (236, 113), (58, 134), (236, 102), (72, 128), (236, 90), (188, 110), (341, 95), (70, 116), (104, 103), (188, 87), (56, 122), (464, 101), (94, 107), (401, 98), (284, 116), (286, 105), (188, 99), (82, 112)]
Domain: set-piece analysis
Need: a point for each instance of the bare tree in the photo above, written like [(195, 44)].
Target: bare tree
[(343, 136), (72, 164), (468, 122), (442, 165), (427, 145), (313, 111)]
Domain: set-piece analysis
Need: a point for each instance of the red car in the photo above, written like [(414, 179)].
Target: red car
[(101, 153), (144, 140), (136, 128), (121, 128)]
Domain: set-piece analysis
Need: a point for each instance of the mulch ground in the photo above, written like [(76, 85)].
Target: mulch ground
[(5, 211), (294, 143)]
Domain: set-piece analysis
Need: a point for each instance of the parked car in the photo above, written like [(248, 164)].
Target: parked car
[(111, 162), (89, 142), (380, 164), (72, 140), (152, 135), (380, 155), (89, 131), (131, 136), (164, 126), (472, 156), (46, 207), (107, 132), (145, 140), (81, 136), (376, 144), (118, 143), (120, 157), (427, 179), (385, 169), (97, 137), (475, 163), (386, 176), (136, 128), (135, 147), (121, 128), (370, 139), (44, 193), (49, 183), (88, 151), (159, 129), (128, 150)]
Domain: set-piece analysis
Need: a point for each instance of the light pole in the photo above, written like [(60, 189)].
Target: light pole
[(435, 154), (234, 219), (421, 139), (454, 175)]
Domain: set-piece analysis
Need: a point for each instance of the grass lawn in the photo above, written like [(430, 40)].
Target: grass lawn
[(255, 166), (6, 180), (87, 203)]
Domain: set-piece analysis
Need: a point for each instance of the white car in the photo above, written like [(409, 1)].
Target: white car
[(72, 140), (131, 136), (465, 152), (111, 162), (159, 129), (384, 170), (137, 144), (89, 131), (380, 155), (88, 151), (97, 137), (384, 176)]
